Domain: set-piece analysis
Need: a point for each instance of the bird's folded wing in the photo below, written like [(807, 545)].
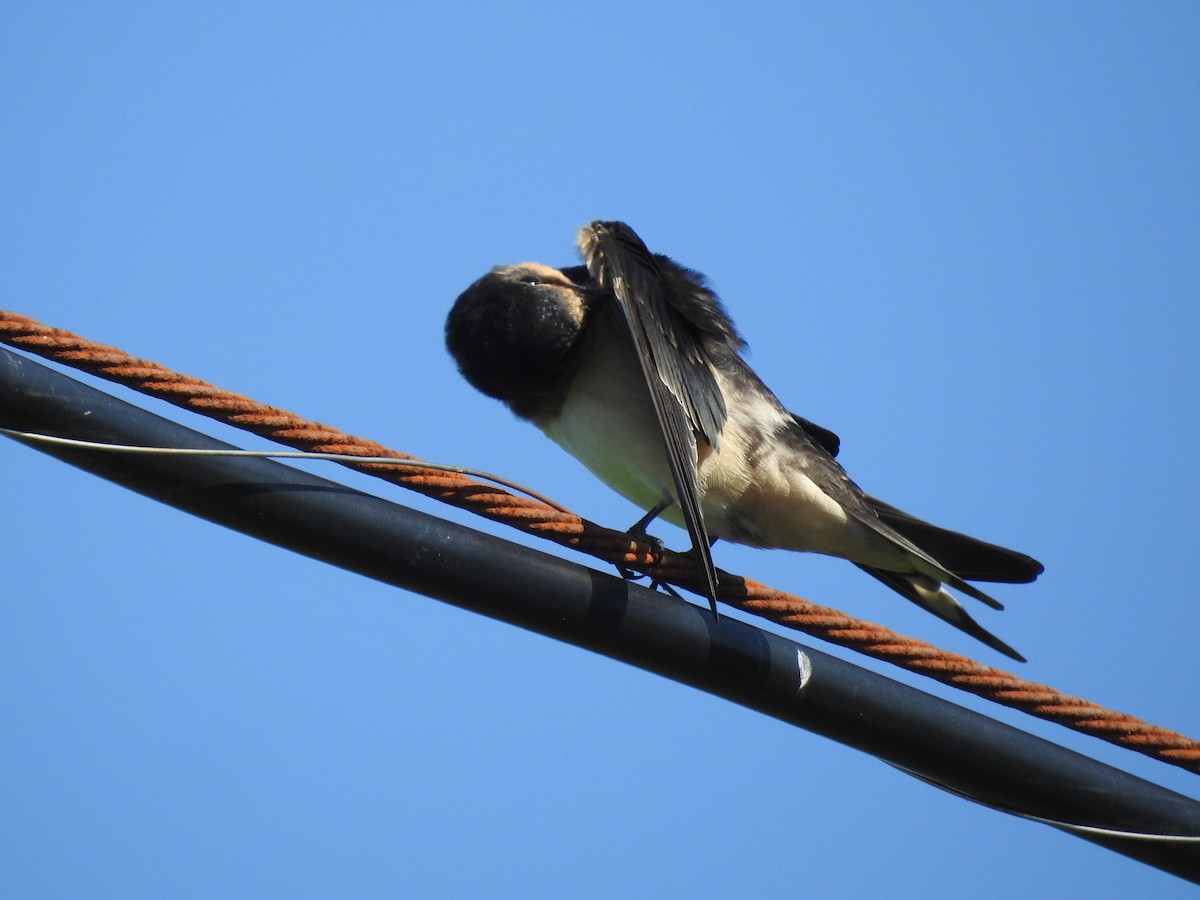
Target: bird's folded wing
[(678, 374)]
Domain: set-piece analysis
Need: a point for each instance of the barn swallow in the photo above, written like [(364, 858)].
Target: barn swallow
[(631, 364)]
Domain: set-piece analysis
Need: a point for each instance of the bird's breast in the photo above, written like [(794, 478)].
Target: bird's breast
[(606, 420), (762, 489)]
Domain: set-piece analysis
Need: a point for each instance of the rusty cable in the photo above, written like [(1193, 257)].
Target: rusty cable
[(617, 548)]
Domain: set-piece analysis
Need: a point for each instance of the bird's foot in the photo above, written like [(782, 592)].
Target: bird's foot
[(655, 584), (657, 547)]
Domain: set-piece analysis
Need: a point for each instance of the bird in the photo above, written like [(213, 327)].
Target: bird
[(631, 364)]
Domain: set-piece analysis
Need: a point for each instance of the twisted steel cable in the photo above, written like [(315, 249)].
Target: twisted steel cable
[(617, 548)]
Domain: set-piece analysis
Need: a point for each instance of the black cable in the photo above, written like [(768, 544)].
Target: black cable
[(964, 751)]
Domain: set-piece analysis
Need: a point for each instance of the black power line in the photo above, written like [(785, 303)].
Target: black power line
[(936, 740)]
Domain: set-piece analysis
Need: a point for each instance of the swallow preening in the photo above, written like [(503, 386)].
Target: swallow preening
[(630, 363)]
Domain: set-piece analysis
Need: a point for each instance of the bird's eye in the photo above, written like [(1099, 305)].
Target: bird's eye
[(531, 279)]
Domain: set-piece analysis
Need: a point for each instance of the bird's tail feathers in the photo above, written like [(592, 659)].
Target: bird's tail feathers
[(929, 594), (969, 558), (952, 579)]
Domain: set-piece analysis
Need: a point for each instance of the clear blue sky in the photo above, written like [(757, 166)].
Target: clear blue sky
[(964, 236)]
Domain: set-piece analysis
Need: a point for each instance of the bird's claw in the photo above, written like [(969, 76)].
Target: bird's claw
[(655, 584)]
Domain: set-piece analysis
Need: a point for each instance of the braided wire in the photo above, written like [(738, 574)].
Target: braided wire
[(618, 548)]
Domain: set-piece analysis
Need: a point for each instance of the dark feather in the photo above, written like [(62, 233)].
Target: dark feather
[(823, 437), (669, 315), (676, 368), (967, 557), (902, 584)]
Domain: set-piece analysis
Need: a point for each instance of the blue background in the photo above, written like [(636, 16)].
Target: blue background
[(962, 236)]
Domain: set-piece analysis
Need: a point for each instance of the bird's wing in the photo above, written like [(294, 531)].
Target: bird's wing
[(832, 479), (967, 557), (823, 437), (678, 373)]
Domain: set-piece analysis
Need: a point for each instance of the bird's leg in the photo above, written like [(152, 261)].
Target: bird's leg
[(638, 531), (655, 583), (639, 527)]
